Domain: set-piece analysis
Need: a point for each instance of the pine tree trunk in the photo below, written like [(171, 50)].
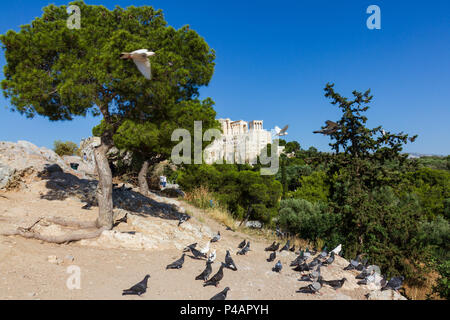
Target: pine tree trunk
[(104, 189), (142, 178)]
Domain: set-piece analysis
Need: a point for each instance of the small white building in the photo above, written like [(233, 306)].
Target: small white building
[(241, 142)]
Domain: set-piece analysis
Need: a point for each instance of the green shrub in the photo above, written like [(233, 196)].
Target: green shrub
[(310, 220), (67, 148)]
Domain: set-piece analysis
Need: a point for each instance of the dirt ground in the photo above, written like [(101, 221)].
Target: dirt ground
[(26, 273)]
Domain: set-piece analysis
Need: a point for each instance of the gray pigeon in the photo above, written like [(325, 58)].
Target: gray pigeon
[(221, 295), (278, 267), (335, 284), (137, 289), (189, 247), (244, 250), (206, 273), (272, 257), (323, 254), (310, 289), (177, 264), (394, 284), (330, 128), (272, 247), (183, 219), (216, 237), (330, 260), (197, 254), (242, 244), (215, 279), (302, 267), (286, 246), (368, 279), (229, 263)]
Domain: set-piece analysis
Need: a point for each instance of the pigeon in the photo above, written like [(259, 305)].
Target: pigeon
[(335, 284), (189, 247), (124, 219), (206, 273), (212, 256), (215, 279), (229, 263), (137, 289), (177, 264), (330, 260), (314, 263), (331, 127), (312, 252), (277, 132), (272, 257), (312, 277), (272, 247), (368, 279), (292, 249), (323, 254), (278, 267), (302, 267), (197, 254), (337, 250), (394, 284), (286, 246), (141, 59), (205, 249), (353, 264), (216, 237), (242, 244), (244, 250), (299, 260), (221, 295), (183, 219), (311, 289)]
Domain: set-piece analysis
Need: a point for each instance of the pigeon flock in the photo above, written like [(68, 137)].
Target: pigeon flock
[(308, 263)]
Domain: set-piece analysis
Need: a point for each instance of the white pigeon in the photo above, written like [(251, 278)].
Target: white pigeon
[(337, 250), (212, 256), (277, 132), (142, 61), (205, 249)]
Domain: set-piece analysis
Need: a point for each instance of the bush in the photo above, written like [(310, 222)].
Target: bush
[(310, 221), (67, 148), (442, 287)]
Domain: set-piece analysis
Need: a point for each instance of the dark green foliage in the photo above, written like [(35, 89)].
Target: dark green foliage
[(241, 192), (442, 287), (67, 148), (310, 221)]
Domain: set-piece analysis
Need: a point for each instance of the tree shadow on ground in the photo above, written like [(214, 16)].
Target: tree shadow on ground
[(62, 185)]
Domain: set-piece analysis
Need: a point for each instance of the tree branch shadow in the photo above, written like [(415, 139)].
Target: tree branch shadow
[(62, 185)]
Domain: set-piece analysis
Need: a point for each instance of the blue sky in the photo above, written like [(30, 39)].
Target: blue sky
[(275, 57)]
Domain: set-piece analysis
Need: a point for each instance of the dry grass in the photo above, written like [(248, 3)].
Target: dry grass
[(423, 291), (200, 198)]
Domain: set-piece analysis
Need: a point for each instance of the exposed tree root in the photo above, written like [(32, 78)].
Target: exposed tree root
[(66, 238), (76, 236)]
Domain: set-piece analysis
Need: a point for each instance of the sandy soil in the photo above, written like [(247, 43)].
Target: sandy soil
[(26, 273)]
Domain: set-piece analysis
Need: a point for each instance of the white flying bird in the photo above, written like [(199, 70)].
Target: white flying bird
[(277, 132), (142, 61)]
